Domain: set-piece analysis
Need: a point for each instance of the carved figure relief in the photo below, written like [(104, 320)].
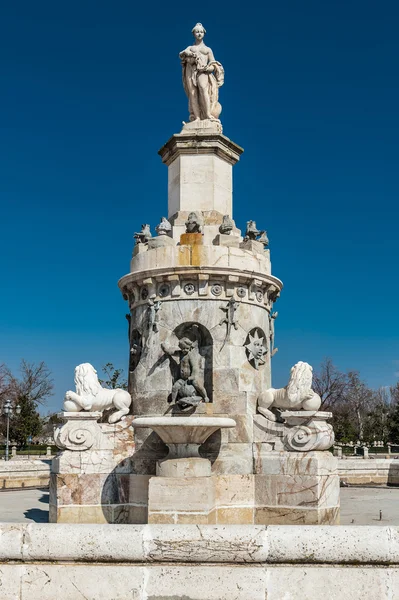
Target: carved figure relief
[(297, 395), (191, 363), (230, 319), (136, 349), (272, 318), (151, 319), (255, 347), (202, 77), (90, 396)]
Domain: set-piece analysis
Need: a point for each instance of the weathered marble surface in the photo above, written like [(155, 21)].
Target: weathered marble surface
[(89, 480), (198, 562), (296, 487), (200, 171)]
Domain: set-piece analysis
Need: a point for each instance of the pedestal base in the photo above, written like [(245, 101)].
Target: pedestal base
[(296, 488), (90, 477)]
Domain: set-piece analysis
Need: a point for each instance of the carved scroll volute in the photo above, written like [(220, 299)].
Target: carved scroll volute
[(78, 434)]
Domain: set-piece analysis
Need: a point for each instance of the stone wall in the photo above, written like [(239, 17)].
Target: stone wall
[(359, 471), (16, 474), (103, 562)]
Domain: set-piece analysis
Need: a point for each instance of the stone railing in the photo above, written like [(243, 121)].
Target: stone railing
[(375, 471), (200, 562), (16, 474)]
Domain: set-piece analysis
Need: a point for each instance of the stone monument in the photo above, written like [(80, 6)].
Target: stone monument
[(213, 441)]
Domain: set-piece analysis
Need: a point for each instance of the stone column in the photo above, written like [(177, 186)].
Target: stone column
[(90, 478)]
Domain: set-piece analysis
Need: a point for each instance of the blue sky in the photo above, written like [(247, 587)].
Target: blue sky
[(92, 89)]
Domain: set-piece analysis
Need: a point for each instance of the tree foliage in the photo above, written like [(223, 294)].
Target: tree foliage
[(114, 377), (359, 412), (30, 388)]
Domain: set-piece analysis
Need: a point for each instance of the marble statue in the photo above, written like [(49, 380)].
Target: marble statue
[(164, 227), (188, 389), (263, 239), (194, 223), (202, 77), (252, 232), (90, 396), (227, 225), (144, 235), (297, 395)]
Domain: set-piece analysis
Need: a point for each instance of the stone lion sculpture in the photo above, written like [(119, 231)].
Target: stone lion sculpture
[(91, 396), (297, 395)]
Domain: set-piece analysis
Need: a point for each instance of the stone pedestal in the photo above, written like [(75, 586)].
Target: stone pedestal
[(90, 477), (296, 488), (200, 171)]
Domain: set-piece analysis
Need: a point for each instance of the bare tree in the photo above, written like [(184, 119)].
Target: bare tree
[(360, 399), (34, 383), (331, 384)]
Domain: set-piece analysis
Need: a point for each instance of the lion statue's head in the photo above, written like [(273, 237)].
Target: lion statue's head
[(299, 387), (86, 380)]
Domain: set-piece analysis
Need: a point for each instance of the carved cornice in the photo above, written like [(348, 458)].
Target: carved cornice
[(200, 143), (191, 283)]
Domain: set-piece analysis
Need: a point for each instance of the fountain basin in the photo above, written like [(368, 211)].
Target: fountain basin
[(184, 435)]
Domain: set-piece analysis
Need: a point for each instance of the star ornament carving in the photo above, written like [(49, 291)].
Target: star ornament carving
[(256, 349)]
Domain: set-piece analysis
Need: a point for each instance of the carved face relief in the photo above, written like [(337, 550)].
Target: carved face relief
[(144, 293), (189, 288), (241, 292), (259, 295), (255, 347)]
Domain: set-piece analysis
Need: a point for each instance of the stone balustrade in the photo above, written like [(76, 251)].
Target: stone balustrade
[(198, 562)]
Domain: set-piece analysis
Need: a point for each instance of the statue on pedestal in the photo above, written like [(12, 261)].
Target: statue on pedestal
[(90, 396), (297, 395), (188, 389), (202, 77)]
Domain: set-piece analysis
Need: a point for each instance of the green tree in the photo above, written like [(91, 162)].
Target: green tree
[(114, 377), (28, 423)]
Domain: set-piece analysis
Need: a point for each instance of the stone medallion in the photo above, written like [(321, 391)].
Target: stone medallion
[(259, 295), (164, 290), (144, 293), (255, 347), (189, 288), (241, 292), (217, 289)]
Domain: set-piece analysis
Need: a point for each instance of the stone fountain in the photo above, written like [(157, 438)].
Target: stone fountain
[(201, 343)]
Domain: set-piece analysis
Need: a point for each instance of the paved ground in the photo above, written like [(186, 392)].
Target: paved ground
[(359, 506), (24, 505)]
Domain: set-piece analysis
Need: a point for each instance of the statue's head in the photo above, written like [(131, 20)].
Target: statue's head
[(198, 31), (185, 345)]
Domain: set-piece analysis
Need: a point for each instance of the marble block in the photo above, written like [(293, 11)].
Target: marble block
[(89, 481), (200, 171), (296, 488)]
